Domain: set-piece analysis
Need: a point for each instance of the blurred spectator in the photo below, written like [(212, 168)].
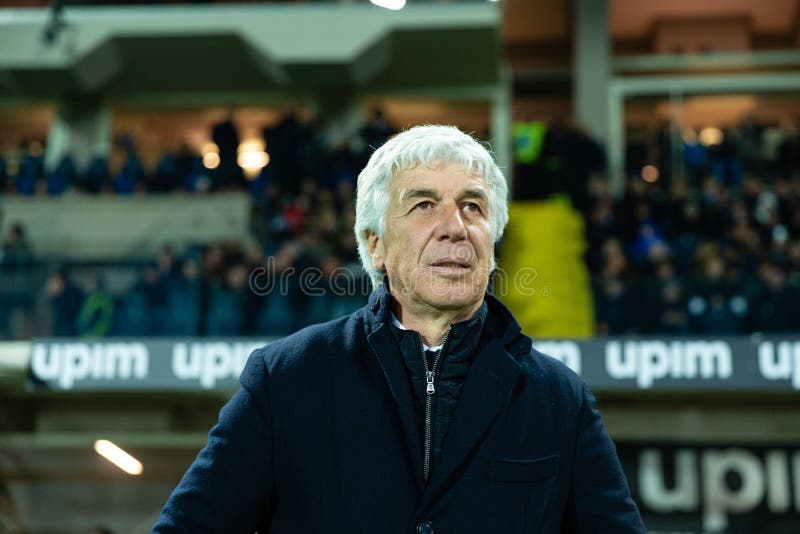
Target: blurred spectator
[(130, 176), (226, 303), (96, 317), (165, 178), (96, 179), (30, 171), (283, 144), (749, 136), (15, 256), (183, 295), (62, 177), (726, 162), (775, 304), (65, 301), (15, 263), (228, 174), (695, 157), (145, 305), (790, 150), (375, 132), (3, 175), (342, 169), (16, 260), (614, 297), (714, 306), (671, 301), (649, 245)]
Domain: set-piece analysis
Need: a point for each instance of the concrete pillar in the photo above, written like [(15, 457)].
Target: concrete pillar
[(82, 129), (615, 141), (500, 124), (676, 134), (591, 68)]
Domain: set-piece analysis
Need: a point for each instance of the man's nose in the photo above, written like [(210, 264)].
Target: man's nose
[(450, 224)]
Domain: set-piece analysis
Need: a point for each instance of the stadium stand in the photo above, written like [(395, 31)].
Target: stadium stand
[(686, 243)]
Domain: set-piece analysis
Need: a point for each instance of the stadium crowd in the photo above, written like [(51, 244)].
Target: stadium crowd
[(281, 279), (711, 250), (714, 249)]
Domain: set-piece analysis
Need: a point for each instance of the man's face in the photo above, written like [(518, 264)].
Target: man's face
[(438, 247)]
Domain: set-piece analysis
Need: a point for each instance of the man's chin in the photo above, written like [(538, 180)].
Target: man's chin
[(455, 297)]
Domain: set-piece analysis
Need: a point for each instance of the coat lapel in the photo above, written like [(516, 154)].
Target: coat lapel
[(486, 391), (391, 361)]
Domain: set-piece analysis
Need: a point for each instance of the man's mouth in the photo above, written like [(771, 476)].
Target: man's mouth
[(449, 263)]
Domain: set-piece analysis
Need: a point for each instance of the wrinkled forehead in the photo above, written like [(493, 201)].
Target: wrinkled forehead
[(450, 174)]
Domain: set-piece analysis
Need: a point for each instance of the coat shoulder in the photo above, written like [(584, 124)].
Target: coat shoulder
[(310, 348), (552, 374)]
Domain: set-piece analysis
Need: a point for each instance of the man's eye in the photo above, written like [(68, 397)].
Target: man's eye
[(425, 204), (472, 206)]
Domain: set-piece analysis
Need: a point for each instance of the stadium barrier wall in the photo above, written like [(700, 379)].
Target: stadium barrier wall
[(615, 364)]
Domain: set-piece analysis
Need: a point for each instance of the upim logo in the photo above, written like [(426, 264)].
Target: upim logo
[(785, 366), (67, 363), (211, 362), (648, 361), (706, 489), (567, 352)]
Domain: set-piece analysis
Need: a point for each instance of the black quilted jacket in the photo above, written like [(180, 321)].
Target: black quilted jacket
[(460, 346)]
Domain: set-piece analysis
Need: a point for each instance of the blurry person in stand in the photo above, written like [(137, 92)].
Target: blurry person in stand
[(793, 265), (228, 175), (375, 132), (97, 178), (615, 298), (774, 306), (714, 303), (31, 169), (65, 300), (16, 256), (3, 174), (16, 261), (283, 142), (726, 161), (790, 149), (130, 177), (183, 317), (145, 306), (96, 317), (62, 177), (672, 317), (749, 135)]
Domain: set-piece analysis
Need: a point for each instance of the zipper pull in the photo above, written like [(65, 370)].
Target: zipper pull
[(429, 378)]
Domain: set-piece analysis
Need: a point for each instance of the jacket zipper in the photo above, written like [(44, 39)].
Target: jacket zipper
[(430, 390)]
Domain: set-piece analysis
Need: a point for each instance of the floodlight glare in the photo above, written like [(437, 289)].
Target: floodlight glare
[(711, 136), (118, 457), (650, 173), (394, 5), (211, 160)]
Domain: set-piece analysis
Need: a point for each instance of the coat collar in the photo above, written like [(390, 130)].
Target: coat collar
[(486, 391), (498, 317)]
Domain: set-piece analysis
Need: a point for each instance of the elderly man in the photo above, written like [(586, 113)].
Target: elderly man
[(427, 410)]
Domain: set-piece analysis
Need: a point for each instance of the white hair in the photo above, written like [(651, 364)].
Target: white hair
[(422, 145)]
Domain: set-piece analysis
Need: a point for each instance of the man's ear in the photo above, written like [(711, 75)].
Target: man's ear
[(376, 250)]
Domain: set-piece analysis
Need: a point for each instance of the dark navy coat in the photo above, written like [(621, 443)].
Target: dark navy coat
[(322, 438)]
